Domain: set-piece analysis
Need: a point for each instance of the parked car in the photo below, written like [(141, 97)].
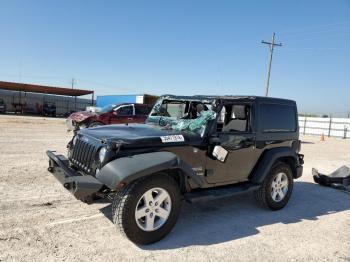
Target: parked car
[(2, 106), (49, 109), (111, 114), (192, 148)]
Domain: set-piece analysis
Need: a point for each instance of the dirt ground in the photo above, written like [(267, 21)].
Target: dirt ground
[(40, 221)]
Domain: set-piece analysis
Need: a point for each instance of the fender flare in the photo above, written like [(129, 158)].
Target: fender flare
[(267, 160), (127, 169)]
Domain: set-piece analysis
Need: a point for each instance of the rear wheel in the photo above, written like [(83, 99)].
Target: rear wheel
[(147, 209), (277, 187)]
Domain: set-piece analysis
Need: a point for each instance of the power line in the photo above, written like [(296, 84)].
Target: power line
[(271, 47), (305, 29), (314, 49), (321, 37), (320, 33), (35, 76), (108, 85), (73, 81)]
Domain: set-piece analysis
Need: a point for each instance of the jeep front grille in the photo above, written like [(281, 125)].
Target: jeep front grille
[(83, 155)]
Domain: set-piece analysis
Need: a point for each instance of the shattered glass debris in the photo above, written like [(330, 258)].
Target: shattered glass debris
[(194, 124)]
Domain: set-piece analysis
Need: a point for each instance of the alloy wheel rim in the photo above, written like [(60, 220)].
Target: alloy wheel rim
[(153, 209), (279, 187)]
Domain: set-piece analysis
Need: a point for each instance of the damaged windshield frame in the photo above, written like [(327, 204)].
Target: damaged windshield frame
[(193, 116)]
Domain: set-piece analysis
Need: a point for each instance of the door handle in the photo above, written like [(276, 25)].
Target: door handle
[(130, 118)]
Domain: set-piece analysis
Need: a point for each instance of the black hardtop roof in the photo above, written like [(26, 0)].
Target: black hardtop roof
[(230, 98)]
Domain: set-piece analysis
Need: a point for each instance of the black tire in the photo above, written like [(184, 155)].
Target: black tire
[(264, 195), (95, 124), (126, 200)]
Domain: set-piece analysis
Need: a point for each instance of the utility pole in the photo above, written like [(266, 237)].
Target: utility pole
[(73, 83), (271, 46), (75, 97)]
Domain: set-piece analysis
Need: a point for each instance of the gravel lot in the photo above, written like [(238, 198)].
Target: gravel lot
[(40, 221)]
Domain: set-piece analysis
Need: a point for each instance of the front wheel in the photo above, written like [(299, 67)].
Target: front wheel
[(277, 187), (147, 209)]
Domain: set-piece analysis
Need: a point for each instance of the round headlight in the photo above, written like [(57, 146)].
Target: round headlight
[(102, 154), (75, 140)]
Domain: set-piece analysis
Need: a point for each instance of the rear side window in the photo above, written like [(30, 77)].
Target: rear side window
[(142, 110), (277, 118), (125, 111)]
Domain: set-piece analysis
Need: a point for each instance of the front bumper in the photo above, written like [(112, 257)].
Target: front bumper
[(80, 186)]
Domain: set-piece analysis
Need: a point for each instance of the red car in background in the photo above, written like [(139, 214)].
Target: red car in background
[(111, 114)]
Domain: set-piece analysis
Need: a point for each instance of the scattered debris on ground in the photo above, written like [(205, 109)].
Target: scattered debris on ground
[(8, 238), (339, 179)]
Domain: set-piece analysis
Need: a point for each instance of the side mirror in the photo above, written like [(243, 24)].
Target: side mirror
[(115, 113), (220, 153)]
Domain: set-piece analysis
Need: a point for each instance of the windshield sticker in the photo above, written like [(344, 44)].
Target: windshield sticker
[(173, 138)]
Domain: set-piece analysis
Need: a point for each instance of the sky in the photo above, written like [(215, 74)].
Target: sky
[(183, 48)]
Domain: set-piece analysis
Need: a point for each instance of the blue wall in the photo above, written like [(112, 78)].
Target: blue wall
[(102, 101)]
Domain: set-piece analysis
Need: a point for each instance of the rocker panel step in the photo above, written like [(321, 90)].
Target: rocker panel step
[(220, 192)]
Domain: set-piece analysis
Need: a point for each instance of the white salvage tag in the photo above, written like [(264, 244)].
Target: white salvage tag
[(173, 138)]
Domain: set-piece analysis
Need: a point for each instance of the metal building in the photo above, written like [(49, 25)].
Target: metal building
[(29, 98)]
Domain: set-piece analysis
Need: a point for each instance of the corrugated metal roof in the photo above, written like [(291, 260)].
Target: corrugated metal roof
[(43, 89)]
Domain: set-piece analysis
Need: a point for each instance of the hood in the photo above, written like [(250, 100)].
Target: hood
[(142, 135), (81, 116)]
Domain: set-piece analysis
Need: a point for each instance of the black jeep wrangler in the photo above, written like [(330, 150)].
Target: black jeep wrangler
[(192, 148)]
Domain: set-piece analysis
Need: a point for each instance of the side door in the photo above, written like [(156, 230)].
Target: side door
[(141, 113), (123, 114), (236, 135)]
